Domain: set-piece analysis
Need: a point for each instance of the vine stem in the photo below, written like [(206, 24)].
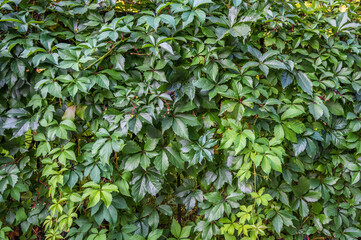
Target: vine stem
[(179, 205), (106, 54), (133, 108), (78, 207), (255, 181), (306, 219), (37, 196)]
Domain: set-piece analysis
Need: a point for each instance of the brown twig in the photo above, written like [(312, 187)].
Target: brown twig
[(168, 108), (140, 54)]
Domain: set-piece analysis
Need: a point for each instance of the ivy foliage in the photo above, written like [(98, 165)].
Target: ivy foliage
[(184, 119)]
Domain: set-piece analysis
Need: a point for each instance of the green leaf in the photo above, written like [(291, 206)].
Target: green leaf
[(101, 80), (286, 79), (239, 143), (186, 231), (131, 147), (278, 132), (335, 108), (175, 228), (353, 232), (228, 106), (145, 183), (249, 134), (241, 30), (105, 152), (275, 162), (292, 112), (119, 62), (226, 63), (18, 67), (215, 212), (150, 144), (155, 234), (304, 82), (264, 69), (312, 196), (20, 215), (289, 134), (296, 125), (68, 125), (94, 198), (161, 162), (69, 113), (300, 146), (106, 197), (275, 64), (165, 209), (254, 52), (174, 157), (204, 84), (95, 174), (110, 188), (123, 187), (180, 128), (277, 223), (304, 210), (133, 237), (55, 89), (197, 3), (213, 197), (266, 166), (132, 162), (302, 187), (355, 178), (315, 44)]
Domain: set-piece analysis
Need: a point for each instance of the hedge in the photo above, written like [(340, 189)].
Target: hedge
[(182, 119)]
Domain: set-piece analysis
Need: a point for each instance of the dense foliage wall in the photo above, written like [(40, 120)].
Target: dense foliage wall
[(188, 119)]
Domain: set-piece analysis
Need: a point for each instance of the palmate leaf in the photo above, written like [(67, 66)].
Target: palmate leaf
[(208, 229), (188, 195), (222, 176), (174, 157), (215, 213), (180, 124), (145, 182), (20, 125)]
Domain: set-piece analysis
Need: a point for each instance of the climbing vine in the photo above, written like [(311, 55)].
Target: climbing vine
[(183, 119)]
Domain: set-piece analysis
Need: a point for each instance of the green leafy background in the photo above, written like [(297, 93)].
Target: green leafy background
[(188, 119)]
